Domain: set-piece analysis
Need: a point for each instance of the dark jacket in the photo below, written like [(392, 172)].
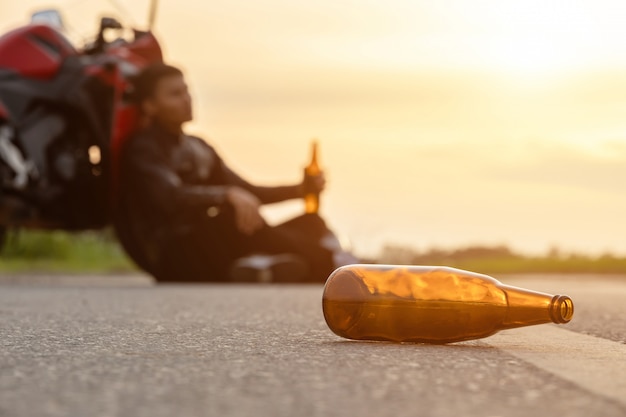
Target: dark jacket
[(169, 182)]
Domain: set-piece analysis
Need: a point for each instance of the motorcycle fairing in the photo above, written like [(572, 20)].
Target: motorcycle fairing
[(34, 51)]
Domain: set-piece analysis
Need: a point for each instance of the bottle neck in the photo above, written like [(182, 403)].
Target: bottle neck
[(527, 307), (313, 167)]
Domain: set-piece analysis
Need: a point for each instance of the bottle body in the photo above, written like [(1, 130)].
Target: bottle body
[(312, 196), (430, 304)]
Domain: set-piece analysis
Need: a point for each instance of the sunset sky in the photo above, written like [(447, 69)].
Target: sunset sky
[(442, 123)]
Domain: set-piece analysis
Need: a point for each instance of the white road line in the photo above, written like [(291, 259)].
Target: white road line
[(595, 364)]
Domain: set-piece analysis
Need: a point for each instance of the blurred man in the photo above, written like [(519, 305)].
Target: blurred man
[(188, 217)]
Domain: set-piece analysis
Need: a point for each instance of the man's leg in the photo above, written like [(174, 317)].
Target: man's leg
[(300, 236), (189, 258), (208, 249), (202, 252)]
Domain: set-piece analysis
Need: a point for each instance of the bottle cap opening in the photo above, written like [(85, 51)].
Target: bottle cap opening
[(561, 309)]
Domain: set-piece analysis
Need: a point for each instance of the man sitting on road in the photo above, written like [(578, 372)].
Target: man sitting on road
[(185, 216)]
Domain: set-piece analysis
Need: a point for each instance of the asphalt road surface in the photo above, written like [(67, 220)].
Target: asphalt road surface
[(122, 346)]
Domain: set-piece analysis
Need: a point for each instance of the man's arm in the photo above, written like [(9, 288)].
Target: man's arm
[(152, 176), (266, 195), (241, 188)]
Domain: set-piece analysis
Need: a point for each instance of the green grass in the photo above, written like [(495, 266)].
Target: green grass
[(502, 260), (99, 252), (43, 251), (543, 265)]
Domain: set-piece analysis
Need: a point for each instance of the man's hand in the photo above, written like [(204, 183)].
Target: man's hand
[(246, 205), (313, 184)]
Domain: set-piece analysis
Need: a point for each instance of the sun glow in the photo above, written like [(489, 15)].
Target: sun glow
[(539, 38), (521, 38)]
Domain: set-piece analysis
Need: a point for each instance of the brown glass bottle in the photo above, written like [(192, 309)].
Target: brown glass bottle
[(312, 197), (431, 304)]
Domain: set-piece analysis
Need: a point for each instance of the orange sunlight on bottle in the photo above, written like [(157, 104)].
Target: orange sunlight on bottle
[(312, 198), (431, 304)]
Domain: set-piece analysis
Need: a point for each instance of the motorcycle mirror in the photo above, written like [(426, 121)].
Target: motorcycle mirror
[(50, 17), (109, 23), (152, 14)]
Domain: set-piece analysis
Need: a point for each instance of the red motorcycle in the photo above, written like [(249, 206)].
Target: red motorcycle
[(65, 114)]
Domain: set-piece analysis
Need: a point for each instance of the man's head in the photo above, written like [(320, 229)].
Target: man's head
[(161, 93)]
